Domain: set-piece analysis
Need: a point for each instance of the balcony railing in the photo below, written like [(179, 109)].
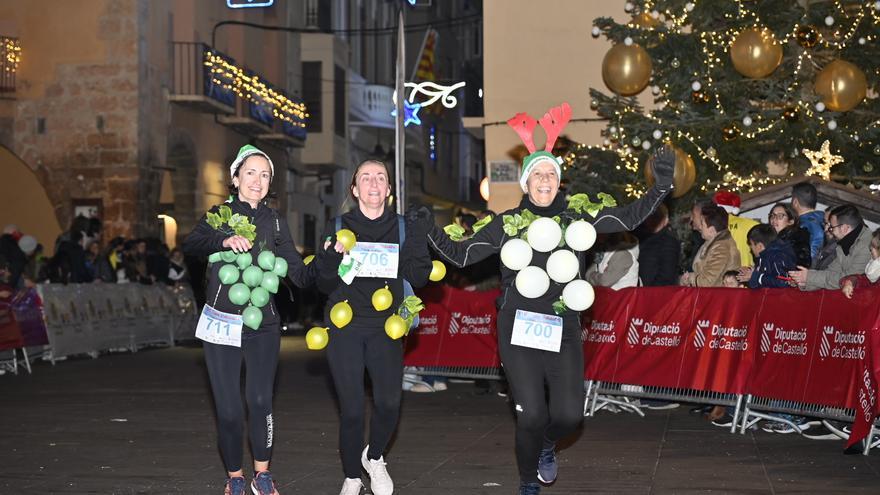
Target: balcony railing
[(370, 104), (10, 56), (211, 81)]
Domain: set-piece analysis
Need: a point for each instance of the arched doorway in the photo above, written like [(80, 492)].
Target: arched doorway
[(25, 203)]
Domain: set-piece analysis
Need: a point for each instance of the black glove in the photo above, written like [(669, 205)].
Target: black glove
[(420, 218), (663, 163)]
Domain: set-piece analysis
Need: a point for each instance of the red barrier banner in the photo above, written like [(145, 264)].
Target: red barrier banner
[(810, 347), (28, 310), (456, 328), (10, 334)]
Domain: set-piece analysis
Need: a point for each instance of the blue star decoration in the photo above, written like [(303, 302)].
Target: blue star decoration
[(410, 113)]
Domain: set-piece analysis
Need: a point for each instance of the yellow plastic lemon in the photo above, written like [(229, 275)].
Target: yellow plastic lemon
[(347, 238), (395, 327), (316, 338), (438, 271), (340, 314), (308, 259), (382, 299)]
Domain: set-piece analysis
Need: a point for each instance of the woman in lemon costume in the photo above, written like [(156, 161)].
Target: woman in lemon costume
[(368, 254)]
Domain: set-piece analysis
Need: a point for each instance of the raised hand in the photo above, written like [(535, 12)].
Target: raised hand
[(663, 163)]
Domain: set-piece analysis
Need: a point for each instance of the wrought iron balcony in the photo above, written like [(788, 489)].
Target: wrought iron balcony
[(211, 81)]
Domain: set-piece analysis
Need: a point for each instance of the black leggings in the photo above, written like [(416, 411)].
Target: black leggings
[(224, 369), (350, 351), (539, 425)]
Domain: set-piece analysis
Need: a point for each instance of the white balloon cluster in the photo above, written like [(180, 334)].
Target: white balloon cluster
[(544, 235)]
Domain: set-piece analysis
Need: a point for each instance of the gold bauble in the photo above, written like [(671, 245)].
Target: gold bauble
[(626, 70), (755, 53), (807, 36), (841, 85), (645, 21), (683, 176)]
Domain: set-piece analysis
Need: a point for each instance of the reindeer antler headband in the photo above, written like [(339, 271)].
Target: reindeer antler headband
[(552, 122)]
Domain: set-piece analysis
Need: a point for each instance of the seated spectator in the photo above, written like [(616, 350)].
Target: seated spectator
[(731, 280), (12, 253), (803, 202), (659, 250), (853, 252), (717, 255), (616, 262), (784, 221), (738, 226), (774, 258), (872, 270)]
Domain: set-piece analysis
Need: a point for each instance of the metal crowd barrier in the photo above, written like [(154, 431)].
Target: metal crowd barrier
[(470, 372), (748, 409)]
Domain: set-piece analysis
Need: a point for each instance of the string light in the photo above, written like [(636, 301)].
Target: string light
[(11, 53), (250, 87)]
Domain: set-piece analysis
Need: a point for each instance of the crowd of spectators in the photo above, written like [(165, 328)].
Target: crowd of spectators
[(80, 256)]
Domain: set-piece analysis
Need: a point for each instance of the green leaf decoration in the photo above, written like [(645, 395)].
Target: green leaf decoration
[(527, 218), (225, 213), (580, 203), (557, 219), (559, 307), (509, 226), (246, 230), (607, 200), (410, 307), (214, 220), (482, 223), (236, 220), (455, 232)]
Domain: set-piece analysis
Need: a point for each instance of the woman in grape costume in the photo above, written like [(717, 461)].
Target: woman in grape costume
[(539, 329), (393, 249), (250, 250)]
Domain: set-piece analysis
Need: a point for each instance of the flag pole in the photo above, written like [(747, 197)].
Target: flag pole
[(399, 134)]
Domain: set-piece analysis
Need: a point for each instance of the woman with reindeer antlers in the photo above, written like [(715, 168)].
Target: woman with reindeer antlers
[(555, 360)]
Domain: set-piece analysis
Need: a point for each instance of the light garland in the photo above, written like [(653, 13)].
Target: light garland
[(11, 53), (250, 87)]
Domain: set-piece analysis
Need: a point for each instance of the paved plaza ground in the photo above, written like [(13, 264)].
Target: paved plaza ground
[(143, 423)]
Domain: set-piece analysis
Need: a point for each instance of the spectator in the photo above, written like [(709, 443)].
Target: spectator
[(803, 202), (872, 269), (92, 258), (773, 259), (731, 280), (12, 254), (659, 250), (616, 263), (853, 252), (68, 266), (110, 261), (739, 226), (829, 248), (33, 252), (717, 255), (785, 222), (177, 267)]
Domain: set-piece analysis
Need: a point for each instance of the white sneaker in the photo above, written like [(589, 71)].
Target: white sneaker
[(351, 486), (380, 480)]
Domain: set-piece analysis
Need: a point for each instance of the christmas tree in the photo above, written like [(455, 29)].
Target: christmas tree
[(746, 90)]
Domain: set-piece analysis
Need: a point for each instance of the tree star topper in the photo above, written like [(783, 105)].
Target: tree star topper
[(822, 161)]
